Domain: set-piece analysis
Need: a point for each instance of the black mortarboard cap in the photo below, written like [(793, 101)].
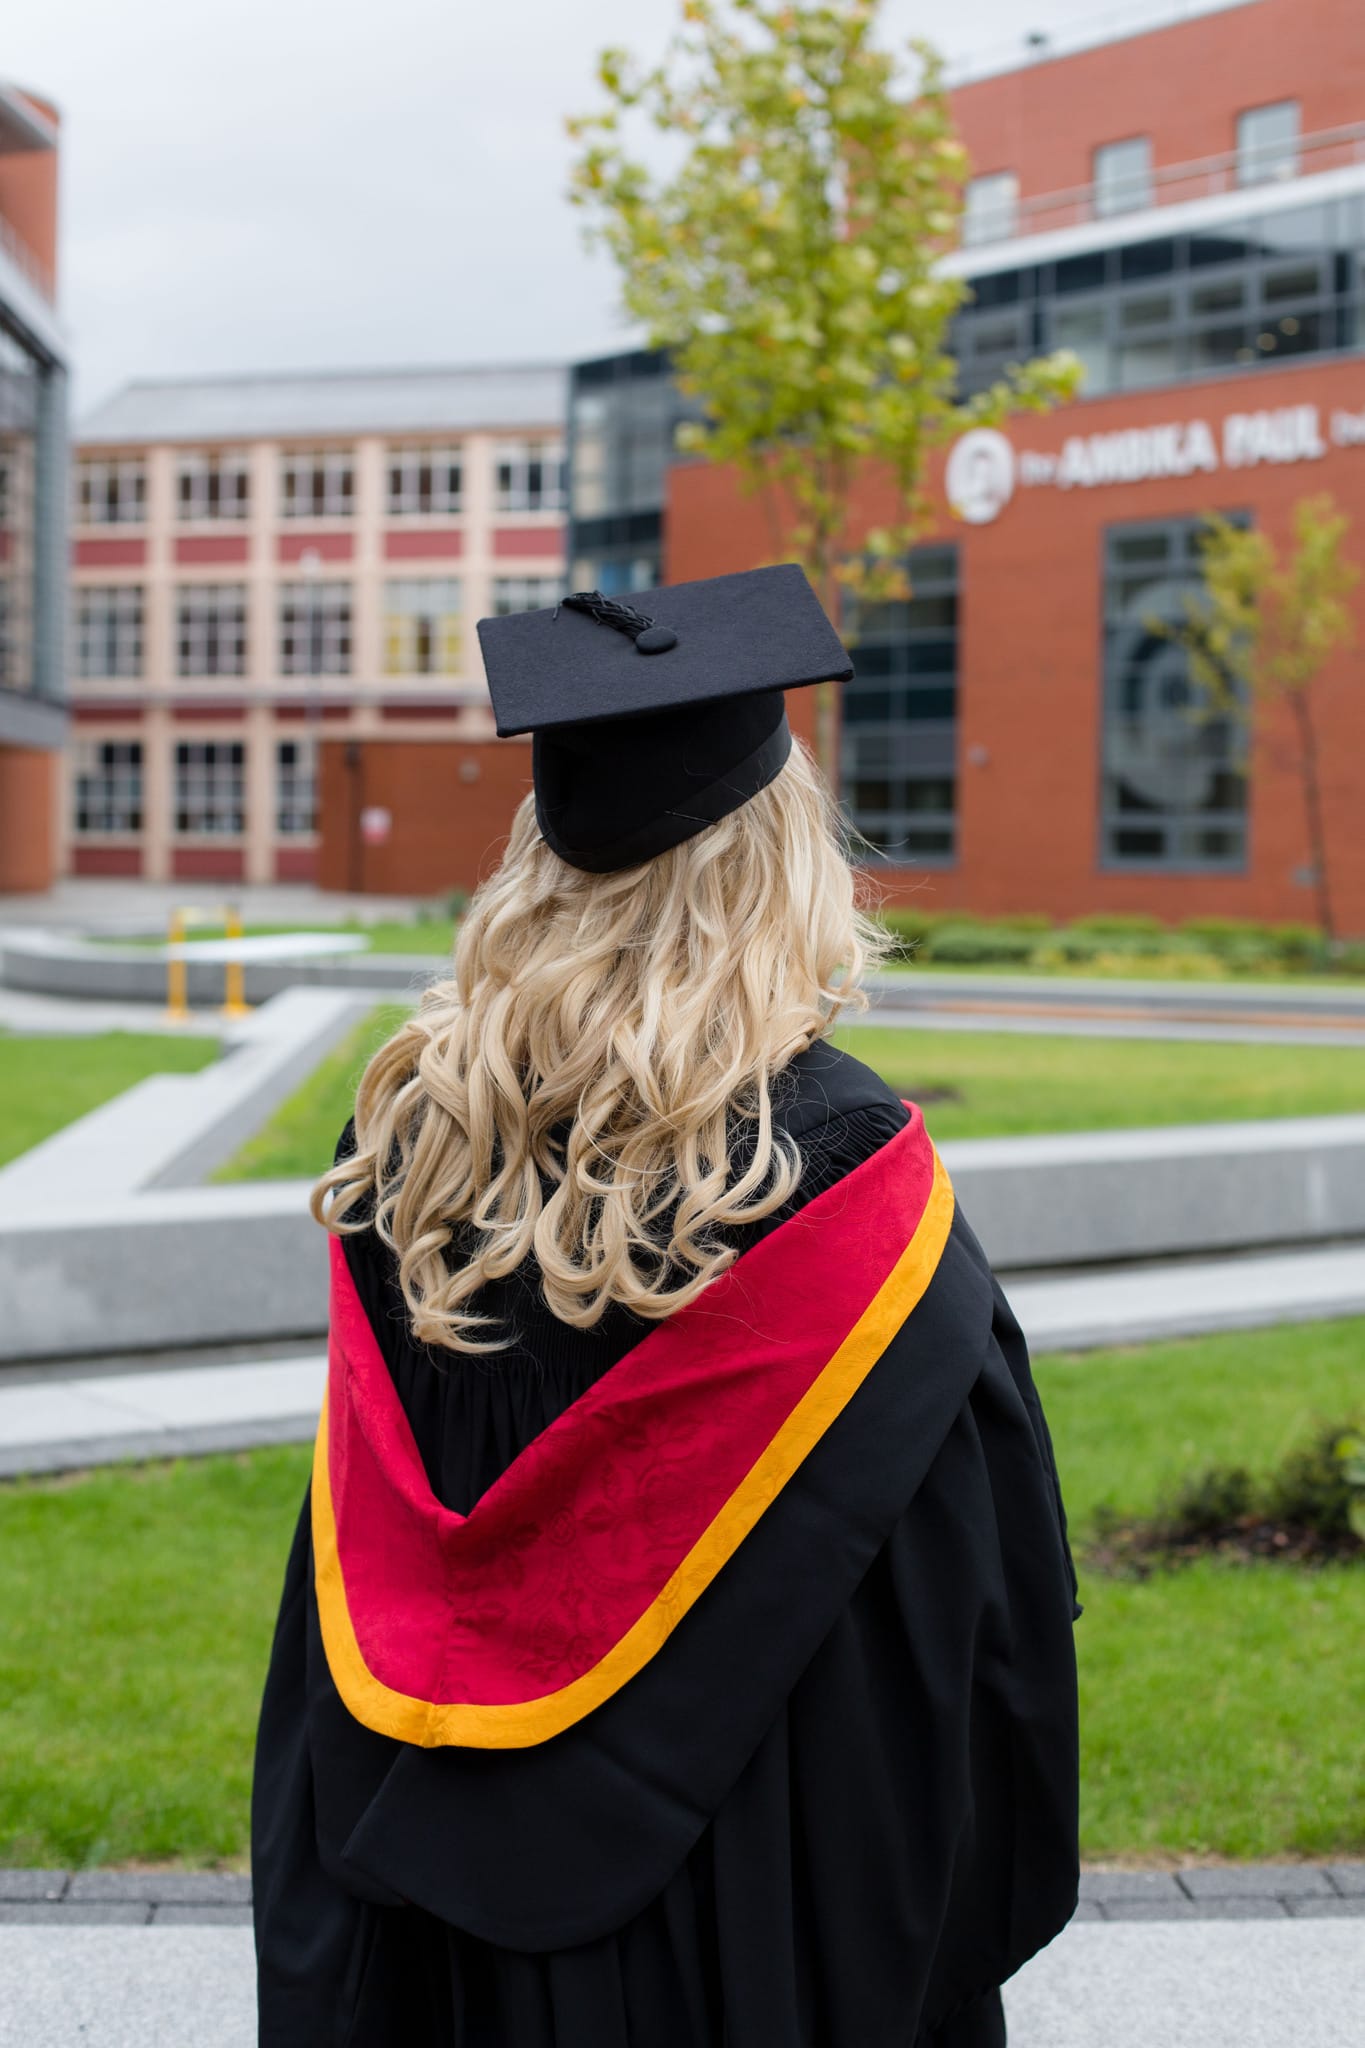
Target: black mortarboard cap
[(655, 714)]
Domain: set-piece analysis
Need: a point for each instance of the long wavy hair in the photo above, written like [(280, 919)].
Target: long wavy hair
[(600, 1065)]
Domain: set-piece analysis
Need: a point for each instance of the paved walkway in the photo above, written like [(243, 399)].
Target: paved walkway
[(189, 1898), (1099, 1023), (64, 1017), (1243, 1957)]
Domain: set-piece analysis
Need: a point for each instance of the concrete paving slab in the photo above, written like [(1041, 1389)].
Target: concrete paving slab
[(1145, 1303), (1196, 1909), (1204, 1984), (201, 1916), (64, 1017), (49, 1885), (1257, 1880), (1103, 1024), (44, 1913), (141, 1404), (1131, 995), (111, 1987), (1105, 1886), (83, 1454), (201, 1888)]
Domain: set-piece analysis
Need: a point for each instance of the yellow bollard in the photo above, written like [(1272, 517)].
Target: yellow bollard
[(234, 980), (177, 975)]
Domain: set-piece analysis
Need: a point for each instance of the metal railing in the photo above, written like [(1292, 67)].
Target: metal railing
[(1330, 149)]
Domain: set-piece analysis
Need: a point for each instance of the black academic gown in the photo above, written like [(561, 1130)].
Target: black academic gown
[(851, 1848)]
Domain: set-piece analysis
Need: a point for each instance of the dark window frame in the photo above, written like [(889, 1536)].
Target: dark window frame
[(1174, 823), (908, 748)]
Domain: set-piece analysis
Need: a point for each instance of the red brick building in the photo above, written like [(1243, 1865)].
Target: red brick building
[(32, 494), (1184, 207)]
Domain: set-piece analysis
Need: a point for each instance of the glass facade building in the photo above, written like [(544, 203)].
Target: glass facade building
[(1173, 764), (624, 412), (1265, 274), (899, 727), (33, 493), (32, 531), (1237, 295)]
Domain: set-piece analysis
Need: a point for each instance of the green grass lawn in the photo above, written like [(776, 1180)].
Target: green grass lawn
[(1221, 1703), (46, 1083), (1001, 1082), (1012, 1083), (301, 1137), (136, 1609)]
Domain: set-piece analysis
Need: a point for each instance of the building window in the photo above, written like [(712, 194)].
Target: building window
[(991, 211), (1123, 176), (624, 415), (525, 593), (318, 484), (1268, 143), (899, 737), (422, 627), (111, 491), (17, 524), (210, 629), (1174, 767), (109, 630), (210, 778), (108, 786), (315, 629), (424, 480), (529, 476), (295, 787), (212, 487), (1286, 282)]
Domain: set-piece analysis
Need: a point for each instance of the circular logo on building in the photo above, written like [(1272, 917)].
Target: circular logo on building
[(980, 476)]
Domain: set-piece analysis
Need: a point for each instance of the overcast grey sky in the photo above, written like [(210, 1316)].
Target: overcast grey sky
[(283, 184)]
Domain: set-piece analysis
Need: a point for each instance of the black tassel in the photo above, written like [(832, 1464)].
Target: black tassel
[(622, 618)]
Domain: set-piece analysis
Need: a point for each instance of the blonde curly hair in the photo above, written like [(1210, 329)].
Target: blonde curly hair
[(574, 1091)]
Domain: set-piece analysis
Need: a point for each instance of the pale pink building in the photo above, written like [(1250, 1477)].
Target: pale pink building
[(260, 561)]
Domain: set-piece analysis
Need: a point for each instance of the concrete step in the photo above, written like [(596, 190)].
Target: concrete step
[(58, 1420)]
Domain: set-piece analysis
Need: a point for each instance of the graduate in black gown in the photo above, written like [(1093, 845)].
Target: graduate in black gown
[(694, 1668)]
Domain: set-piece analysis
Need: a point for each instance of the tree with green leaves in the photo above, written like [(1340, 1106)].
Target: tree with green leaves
[(1262, 629), (789, 262)]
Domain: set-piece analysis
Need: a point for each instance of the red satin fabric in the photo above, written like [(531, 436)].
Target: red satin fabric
[(584, 1530)]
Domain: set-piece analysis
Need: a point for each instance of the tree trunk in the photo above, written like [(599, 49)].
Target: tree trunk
[(826, 699), (1312, 804)]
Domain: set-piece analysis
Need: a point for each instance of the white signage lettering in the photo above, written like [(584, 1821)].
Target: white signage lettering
[(1134, 456), (1290, 435), (983, 470), (1348, 429)]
